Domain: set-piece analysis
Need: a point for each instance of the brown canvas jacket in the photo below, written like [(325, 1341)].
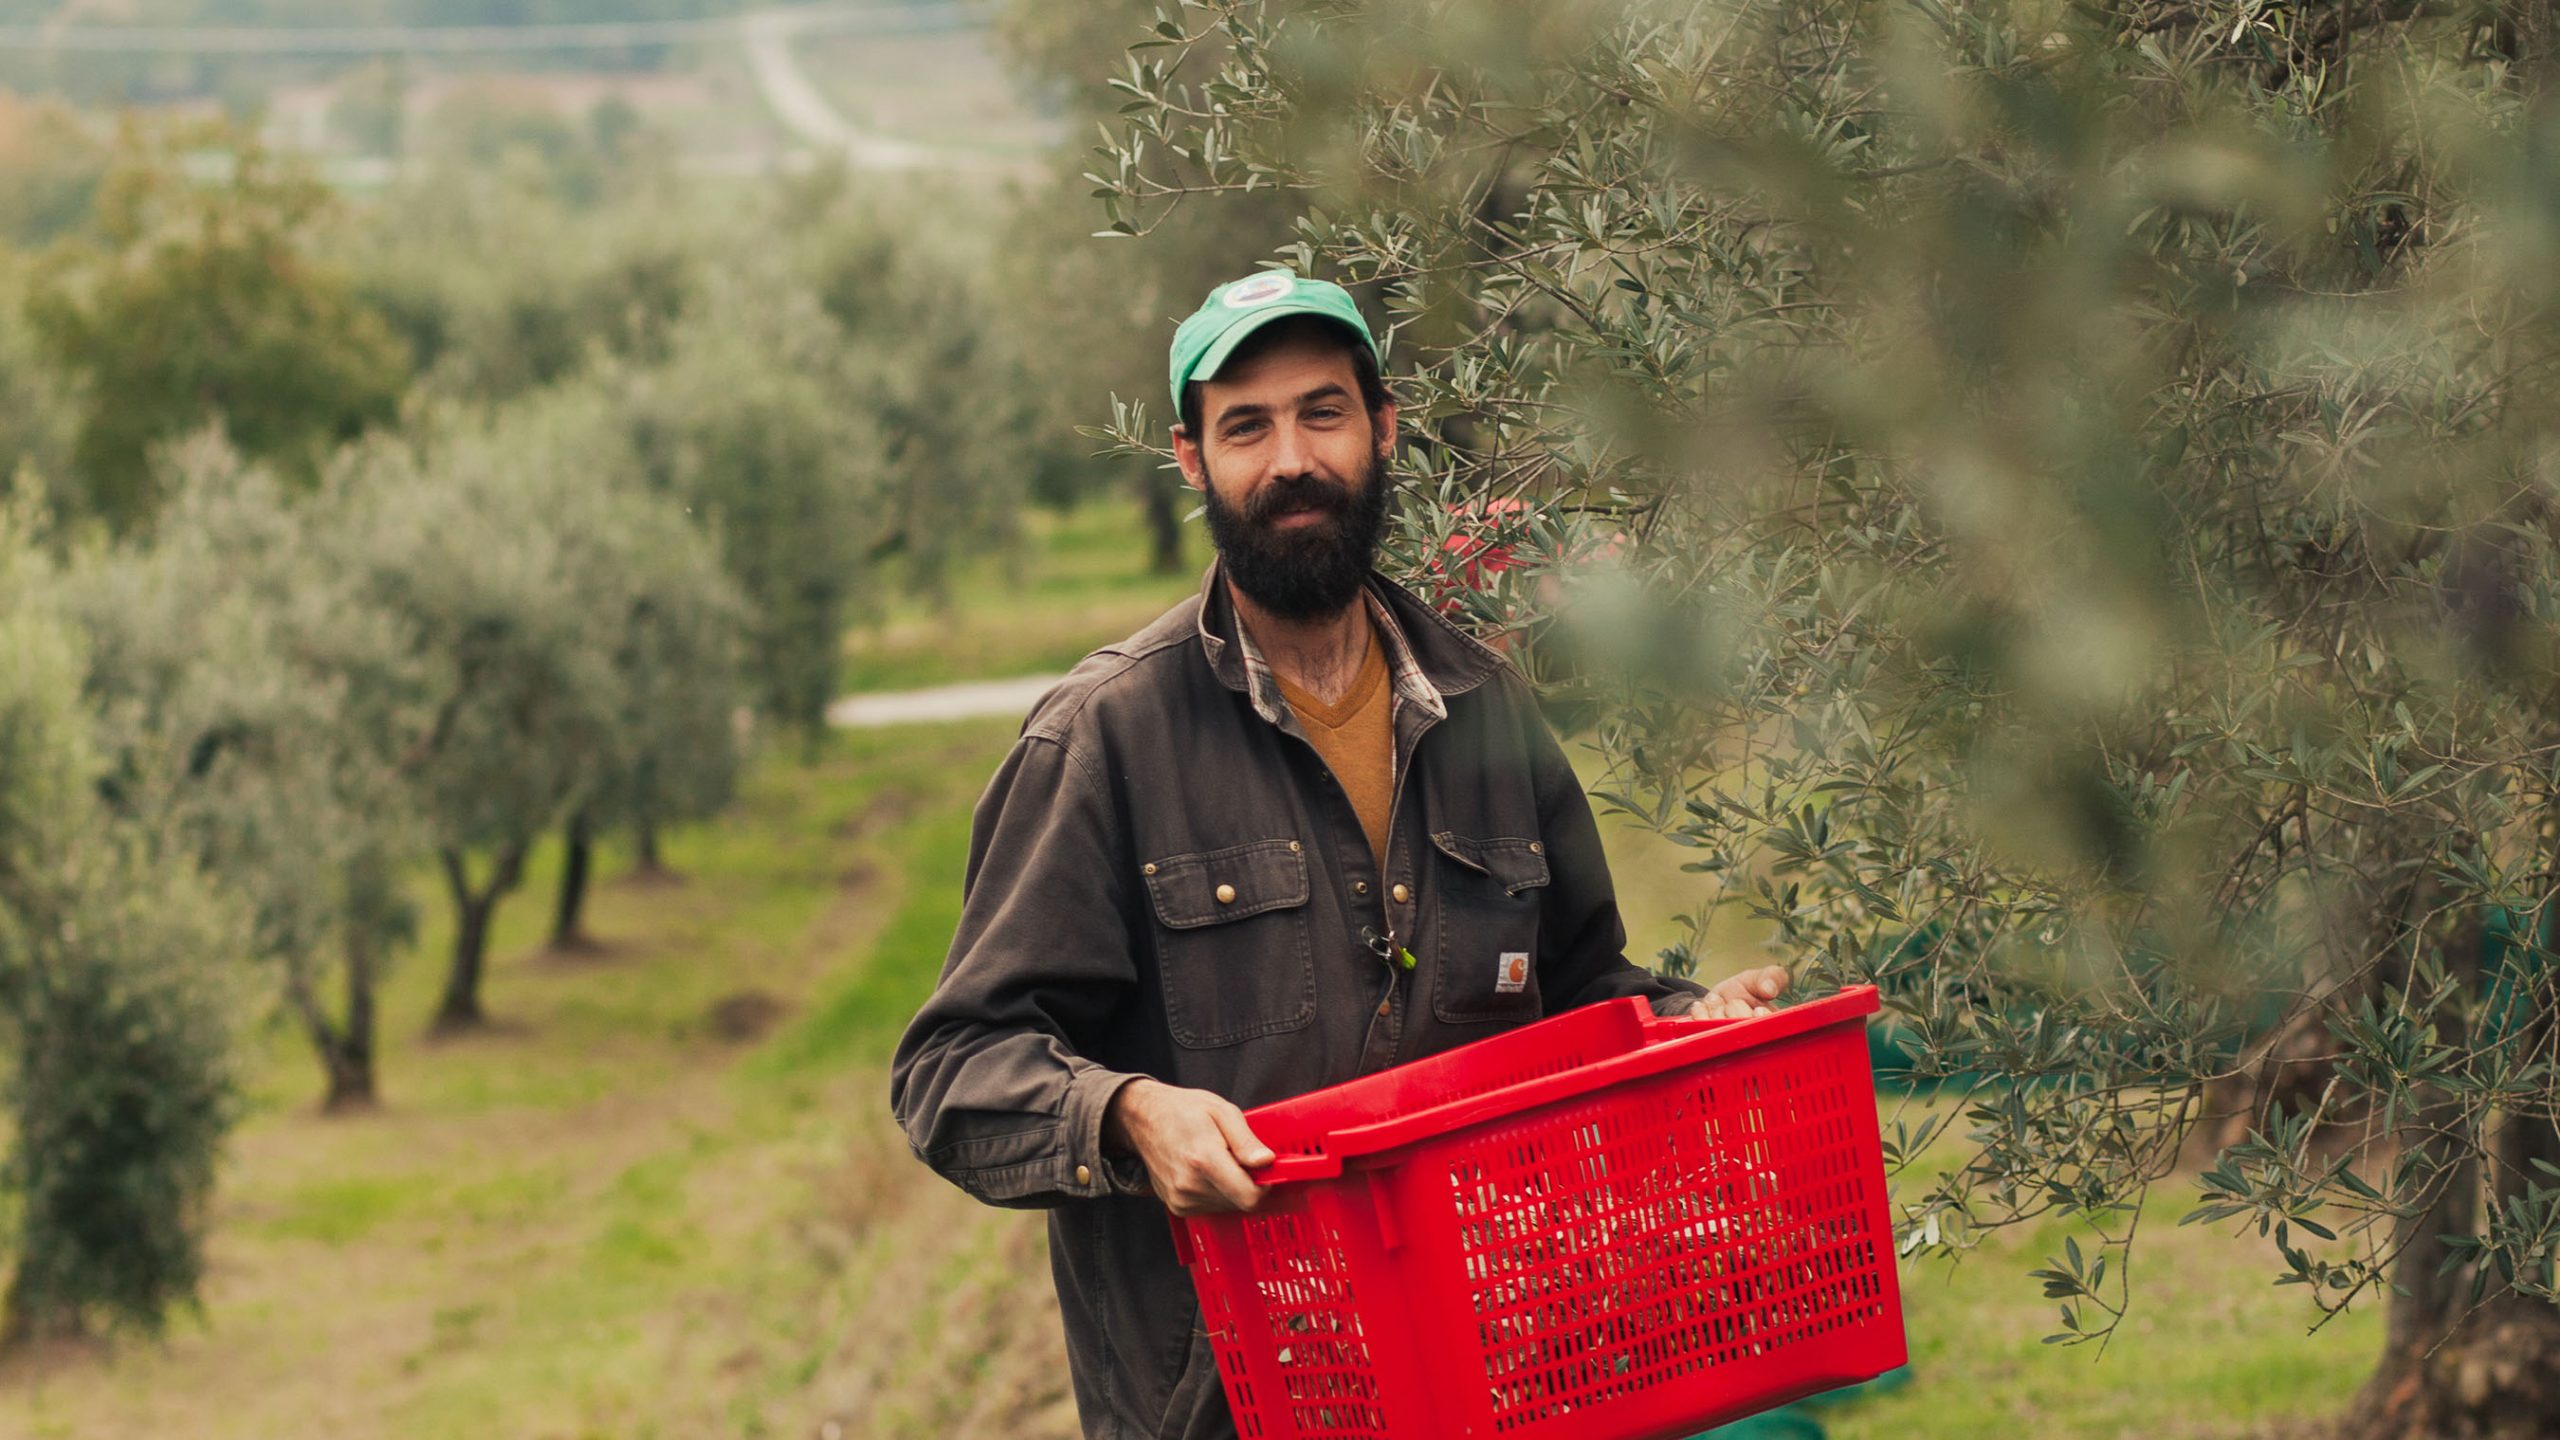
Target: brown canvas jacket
[(1164, 880)]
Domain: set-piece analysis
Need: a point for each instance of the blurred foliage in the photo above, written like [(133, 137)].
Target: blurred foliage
[(519, 565), (530, 145), (115, 1025), (2052, 507), (826, 387), (830, 401), (50, 168), (675, 751), (37, 427), (241, 689), (1092, 318), (931, 346), (190, 302), (747, 423), (499, 288), (371, 109)]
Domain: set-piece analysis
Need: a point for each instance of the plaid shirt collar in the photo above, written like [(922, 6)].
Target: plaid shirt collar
[(1262, 686)]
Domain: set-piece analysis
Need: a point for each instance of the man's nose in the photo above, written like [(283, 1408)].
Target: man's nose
[(1290, 452)]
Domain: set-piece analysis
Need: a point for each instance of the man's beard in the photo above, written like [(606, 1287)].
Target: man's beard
[(1310, 573)]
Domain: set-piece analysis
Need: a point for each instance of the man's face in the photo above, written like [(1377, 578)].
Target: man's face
[(1293, 469)]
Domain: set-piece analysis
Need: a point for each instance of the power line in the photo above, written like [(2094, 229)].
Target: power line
[(476, 39)]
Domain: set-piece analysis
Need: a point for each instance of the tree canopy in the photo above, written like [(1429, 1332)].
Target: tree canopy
[(197, 303), (114, 1020)]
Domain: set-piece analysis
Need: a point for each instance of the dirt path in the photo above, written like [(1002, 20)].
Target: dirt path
[(805, 111)]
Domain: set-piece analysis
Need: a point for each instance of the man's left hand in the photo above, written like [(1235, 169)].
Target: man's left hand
[(1746, 994)]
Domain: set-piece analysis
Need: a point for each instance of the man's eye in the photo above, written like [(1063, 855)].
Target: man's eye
[(1325, 412), (1239, 431)]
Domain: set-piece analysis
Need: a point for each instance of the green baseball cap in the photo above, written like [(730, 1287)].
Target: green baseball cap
[(1240, 307)]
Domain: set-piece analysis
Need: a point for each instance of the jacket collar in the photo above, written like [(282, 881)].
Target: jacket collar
[(1428, 659)]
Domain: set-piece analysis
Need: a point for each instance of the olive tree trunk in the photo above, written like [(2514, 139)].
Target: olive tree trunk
[(344, 1047), (648, 861), (2456, 1366), (568, 913), (473, 909), (1164, 525)]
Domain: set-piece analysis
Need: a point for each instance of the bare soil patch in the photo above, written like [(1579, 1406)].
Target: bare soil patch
[(886, 809), (745, 1016), (494, 1030), (581, 949), (651, 877)]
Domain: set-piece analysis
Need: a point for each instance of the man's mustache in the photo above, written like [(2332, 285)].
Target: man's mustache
[(1285, 493)]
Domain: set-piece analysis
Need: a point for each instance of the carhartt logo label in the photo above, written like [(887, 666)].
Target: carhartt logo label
[(1260, 290), (1513, 976)]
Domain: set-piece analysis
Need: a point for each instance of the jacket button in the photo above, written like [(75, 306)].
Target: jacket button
[(1402, 894), (1147, 869), (1084, 1174), (1293, 847), (1359, 887), (1226, 894), (1537, 848)]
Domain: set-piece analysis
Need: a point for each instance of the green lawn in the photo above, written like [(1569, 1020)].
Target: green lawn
[(632, 1210)]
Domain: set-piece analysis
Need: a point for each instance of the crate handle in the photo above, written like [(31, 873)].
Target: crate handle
[(1289, 1168), (1672, 1044)]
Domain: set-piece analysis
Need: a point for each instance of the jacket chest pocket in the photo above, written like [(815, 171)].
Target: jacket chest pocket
[(1232, 941), (1485, 927)]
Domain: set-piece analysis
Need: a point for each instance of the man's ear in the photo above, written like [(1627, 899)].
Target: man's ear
[(1186, 453), (1386, 428)]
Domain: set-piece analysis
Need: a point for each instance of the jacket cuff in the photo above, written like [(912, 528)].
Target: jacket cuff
[(1089, 1170), (1671, 997)]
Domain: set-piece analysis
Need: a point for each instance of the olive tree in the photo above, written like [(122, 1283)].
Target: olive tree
[(2054, 510), (113, 1011), (938, 368), (749, 425), (499, 290), (196, 302), (475, 541), (675, 748), (543, 603), (236, 676)]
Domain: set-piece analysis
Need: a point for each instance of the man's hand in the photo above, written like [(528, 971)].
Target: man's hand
[(1195, 1146), (1746, 994)]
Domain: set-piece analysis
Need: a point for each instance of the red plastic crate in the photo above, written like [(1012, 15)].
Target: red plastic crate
[(1603, 1226)]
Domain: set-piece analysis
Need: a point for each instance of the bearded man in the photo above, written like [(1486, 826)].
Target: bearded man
[(1295, 831)]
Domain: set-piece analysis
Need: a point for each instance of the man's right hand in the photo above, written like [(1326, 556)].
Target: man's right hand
[(1195, 1146)]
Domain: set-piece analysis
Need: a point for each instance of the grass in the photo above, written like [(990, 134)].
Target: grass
[(610, 1217), (594, 1219), (1078, 580), (2210, 1347)]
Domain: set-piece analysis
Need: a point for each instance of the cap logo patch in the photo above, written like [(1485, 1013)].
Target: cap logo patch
[(1258, 290)]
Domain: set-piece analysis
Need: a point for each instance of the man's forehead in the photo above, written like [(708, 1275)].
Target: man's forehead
[(1294, 368)]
